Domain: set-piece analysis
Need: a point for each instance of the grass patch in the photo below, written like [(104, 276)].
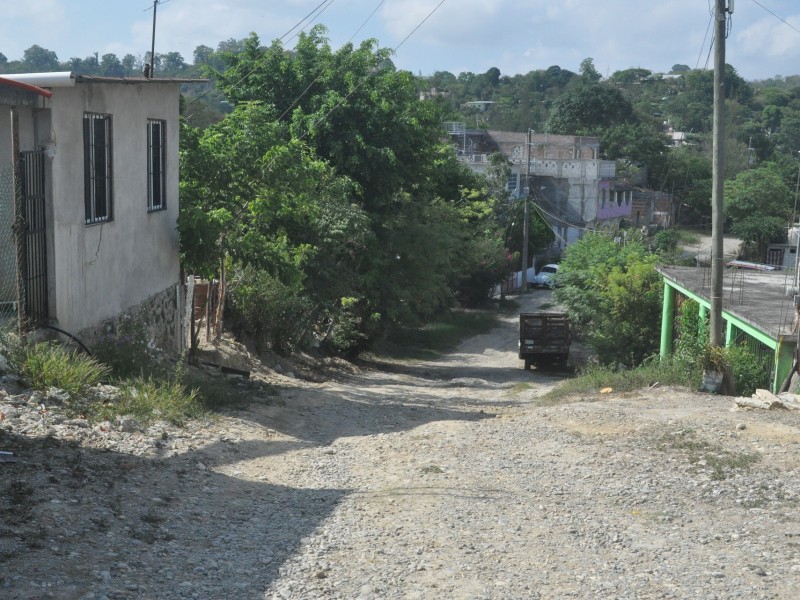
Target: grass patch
[(436, 337), (47, 365), (520, 387), (432, 469), (702, 453), (687, 236), (668, 371), (156, 400)]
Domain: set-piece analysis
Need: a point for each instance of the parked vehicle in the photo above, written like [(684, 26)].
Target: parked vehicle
[(545, 277), (544, 338)]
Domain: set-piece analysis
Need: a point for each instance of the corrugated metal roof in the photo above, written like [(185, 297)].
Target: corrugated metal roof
[(97, 79)]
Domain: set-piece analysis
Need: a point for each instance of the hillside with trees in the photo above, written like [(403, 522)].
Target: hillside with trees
[(317, 184)]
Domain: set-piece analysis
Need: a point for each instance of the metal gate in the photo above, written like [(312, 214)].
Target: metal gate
[(33, 208)]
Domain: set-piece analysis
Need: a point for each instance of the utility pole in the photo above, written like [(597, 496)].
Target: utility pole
[(718, 177), (152, 70), (526, 217)]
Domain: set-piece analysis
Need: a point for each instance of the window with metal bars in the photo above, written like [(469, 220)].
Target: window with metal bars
[(97, 171), (156, 165)]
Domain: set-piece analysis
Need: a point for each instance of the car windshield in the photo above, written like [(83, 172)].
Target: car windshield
[(549, 269)]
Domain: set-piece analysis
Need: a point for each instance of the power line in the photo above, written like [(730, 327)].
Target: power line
[(781, 19), (365, 77), (372, 14), (316, 11), (317, 78)]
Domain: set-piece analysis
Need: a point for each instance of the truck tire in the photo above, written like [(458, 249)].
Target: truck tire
[(527, 364)]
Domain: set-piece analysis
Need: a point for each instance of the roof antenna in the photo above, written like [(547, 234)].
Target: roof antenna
[(150, 68)]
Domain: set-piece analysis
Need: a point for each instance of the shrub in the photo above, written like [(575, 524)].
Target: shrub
[(125, 347), (750, 372), (273, 313)]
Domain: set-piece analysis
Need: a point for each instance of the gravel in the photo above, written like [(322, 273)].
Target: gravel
[(442, 479)]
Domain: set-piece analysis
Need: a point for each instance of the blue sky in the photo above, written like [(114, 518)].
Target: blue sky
[(516, 36)]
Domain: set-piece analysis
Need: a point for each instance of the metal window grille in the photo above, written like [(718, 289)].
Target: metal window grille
[(33, 198), (511, 184), (98, 172), (156, 165)]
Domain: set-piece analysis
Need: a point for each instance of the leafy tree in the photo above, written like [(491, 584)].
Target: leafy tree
[(629, 76), (613, 295), (171, 63), (589, 73), (686, 174), (758, 202), (589, 109), (131, 64), (331, 175), (111, 66), (39, 60)]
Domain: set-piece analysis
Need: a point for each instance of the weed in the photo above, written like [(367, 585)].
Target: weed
[(520, 387), (721, 462), (150, 399), (432, 469), (47, 365)]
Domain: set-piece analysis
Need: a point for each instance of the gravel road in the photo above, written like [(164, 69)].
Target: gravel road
[(440, 479)]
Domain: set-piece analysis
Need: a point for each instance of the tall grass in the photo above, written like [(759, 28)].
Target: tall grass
[(48, 364)]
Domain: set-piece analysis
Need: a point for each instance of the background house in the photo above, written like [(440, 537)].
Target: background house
[(98, 202), (572, 187)]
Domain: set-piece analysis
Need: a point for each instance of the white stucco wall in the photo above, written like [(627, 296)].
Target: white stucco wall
[(101, 270)]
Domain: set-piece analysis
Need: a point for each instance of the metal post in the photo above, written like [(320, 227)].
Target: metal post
[(526, 217), (718, 166), (153, 42)]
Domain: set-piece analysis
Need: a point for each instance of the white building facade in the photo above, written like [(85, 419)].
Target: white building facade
[(99, 185)]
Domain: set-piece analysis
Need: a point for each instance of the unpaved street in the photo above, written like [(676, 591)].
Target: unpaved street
[(442, 479)]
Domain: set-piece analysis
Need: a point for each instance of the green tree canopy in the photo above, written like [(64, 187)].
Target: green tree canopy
[(613, 295), (588, 110), (759, 203)]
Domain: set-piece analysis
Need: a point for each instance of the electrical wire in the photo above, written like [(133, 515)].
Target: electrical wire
[(372, 14), (365, 77), (305, 91), (315, 12), (781, 19), (705, 37)]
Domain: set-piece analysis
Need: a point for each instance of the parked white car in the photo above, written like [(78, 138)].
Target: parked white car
[(545, 277)]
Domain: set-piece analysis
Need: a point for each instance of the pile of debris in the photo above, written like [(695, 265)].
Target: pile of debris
[(766, 400)]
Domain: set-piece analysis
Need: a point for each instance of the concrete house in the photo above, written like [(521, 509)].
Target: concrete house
[(570, 184), (90, 234)]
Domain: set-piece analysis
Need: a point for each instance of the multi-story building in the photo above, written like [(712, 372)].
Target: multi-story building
[(570, 185)]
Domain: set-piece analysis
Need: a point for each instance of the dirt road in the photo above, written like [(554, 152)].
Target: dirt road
[(436, 479)]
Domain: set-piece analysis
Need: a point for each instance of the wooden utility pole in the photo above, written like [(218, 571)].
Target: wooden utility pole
[(718, 178), (153, 42)]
